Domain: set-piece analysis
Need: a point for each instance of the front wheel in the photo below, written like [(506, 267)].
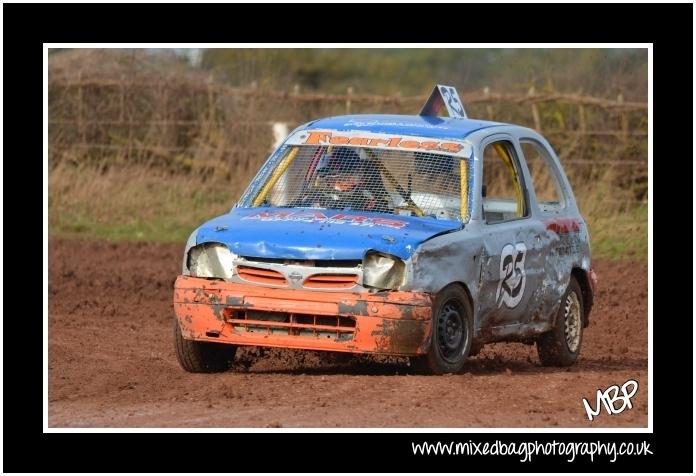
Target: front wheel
[(561, 345), (451, 335), (202, 357)]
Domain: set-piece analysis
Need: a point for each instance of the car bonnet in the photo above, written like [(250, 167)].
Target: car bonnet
[(304, 233)]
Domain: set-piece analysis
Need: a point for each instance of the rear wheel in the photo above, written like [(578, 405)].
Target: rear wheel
[(202, 357), (561, 345), (451, 335)]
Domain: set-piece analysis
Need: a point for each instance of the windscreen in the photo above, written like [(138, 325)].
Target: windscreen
[(382, 180)]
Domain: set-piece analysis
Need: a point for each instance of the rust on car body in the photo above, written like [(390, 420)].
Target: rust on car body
[(356, 226)]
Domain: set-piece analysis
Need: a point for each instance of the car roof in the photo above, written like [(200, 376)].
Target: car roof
[(424, 126)]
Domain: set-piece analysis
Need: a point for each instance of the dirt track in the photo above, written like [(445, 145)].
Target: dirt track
[(111, 362)]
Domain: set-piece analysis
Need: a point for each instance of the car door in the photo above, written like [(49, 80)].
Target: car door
[(511, 272), (559, 228)]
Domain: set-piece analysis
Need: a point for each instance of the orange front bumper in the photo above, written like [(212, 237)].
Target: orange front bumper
[(394, 323)]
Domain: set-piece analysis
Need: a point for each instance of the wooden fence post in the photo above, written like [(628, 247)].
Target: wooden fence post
[(583, 124), (535, 111), (211, 100), (158, 115), (129, 146), (295, 104), (122, 100), (349, 93), (583, 130), (80, 113), (489, 109), (211, 116), (623, 118)]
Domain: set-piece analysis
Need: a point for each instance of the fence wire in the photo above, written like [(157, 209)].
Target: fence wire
[(213, 129)]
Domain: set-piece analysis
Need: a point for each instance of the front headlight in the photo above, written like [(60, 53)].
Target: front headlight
[(211, 260), (383, 271)]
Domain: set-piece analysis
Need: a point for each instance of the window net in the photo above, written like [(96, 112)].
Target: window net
[(366, 179)]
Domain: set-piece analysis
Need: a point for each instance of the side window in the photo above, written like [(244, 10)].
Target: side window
[(504, 196), (547, 186)]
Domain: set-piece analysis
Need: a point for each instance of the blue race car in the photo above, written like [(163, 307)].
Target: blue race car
[(419, 236)]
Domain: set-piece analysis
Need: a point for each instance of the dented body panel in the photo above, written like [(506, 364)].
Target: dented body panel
[(302, 233), (555, 244), (299, 277)]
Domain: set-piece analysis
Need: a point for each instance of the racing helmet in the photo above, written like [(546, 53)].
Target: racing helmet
[(342, 168)]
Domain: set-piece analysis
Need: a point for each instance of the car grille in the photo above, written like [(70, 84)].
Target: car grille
[(336, 328), (331, 281), (261, 276)]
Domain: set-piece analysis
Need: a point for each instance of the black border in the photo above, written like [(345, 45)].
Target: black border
[(26, 27)]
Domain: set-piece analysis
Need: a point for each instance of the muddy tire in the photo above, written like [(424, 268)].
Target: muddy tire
[(202, 357), (560, 346), (451, 336)]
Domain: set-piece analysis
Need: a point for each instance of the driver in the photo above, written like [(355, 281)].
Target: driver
[(347, 178)]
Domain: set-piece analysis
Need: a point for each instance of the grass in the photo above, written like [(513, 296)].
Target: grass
[(619, 235), (136, 203), (133, 203), (618, 226)]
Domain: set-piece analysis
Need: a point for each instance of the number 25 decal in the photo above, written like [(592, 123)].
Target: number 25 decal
[(512, 275)]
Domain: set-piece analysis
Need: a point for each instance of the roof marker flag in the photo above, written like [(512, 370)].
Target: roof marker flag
[(444, 96)]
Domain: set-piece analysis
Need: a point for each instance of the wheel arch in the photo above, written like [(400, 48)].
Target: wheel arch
[(581, 276), (464, 287)]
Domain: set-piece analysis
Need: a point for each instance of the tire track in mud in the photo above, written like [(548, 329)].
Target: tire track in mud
[(111, 361)]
